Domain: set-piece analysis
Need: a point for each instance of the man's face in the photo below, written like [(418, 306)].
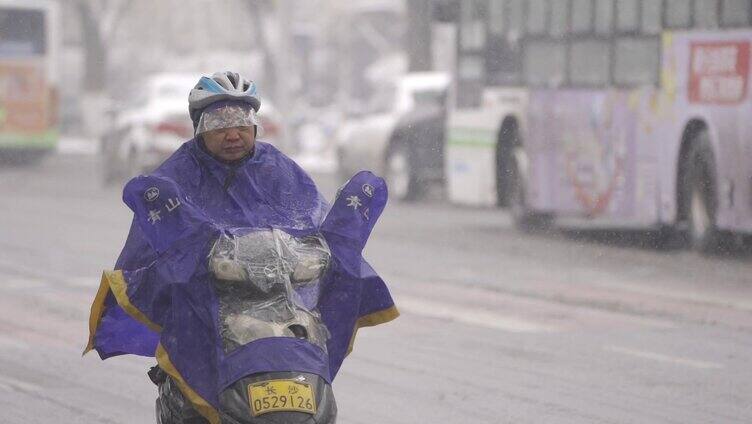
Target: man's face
[(230, 144)]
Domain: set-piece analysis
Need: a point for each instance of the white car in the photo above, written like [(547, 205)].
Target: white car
[(150, 129), (405, 143)]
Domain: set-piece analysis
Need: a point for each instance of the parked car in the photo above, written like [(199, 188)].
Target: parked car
[(405, 142), (150, 128)]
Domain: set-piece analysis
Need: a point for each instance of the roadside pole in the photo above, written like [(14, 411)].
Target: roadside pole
[(419, 13), (283, 77)]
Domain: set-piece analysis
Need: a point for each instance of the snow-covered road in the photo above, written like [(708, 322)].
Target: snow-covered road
[(496, 326)]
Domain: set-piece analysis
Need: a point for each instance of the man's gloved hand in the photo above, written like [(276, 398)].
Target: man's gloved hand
[(255, 257), (311, 259), (224, 260)]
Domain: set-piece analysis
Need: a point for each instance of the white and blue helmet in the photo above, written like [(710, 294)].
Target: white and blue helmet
[(227, 86)]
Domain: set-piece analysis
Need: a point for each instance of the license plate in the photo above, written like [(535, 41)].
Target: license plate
[(281, 395)]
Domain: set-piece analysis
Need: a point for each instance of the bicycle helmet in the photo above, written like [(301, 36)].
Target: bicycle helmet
[(221, 86)]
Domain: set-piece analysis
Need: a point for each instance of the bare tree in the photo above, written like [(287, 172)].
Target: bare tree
[(99, 21), (260, 11)]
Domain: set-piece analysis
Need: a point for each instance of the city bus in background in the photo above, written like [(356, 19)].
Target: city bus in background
[(29, 36), (606, 114)]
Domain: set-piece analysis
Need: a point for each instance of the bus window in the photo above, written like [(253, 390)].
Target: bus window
[(514, 18), (678, 13), (470, 81), (496, 17), (502, 53), (472, 40), (471, 68), (651, 16), (559, 17), (22, 32), (589, 63), (472, 36), (545, 63), (582, 16), (706, 14), (472, 31), (636, 61), (604, 16), (735, 13), (536, 17), (627, 15)]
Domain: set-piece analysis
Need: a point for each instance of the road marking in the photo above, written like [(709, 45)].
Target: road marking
[(664, 358), (11, 384), (678, 295), (472, 316), (7, 342), (21, 283), (15, 283), (82, 282)]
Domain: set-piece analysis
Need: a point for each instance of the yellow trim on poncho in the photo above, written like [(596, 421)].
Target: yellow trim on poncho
[(200, 404), (114, 282), (371, 320)]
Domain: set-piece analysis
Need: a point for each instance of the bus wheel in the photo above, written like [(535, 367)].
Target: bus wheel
[(700, 202), (400, 175), (523, 218)]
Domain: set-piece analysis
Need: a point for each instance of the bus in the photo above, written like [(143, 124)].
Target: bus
[(29, 35), (606, 114)]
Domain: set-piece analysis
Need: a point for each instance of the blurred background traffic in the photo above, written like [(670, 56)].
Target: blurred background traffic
[(596, 114), (328, 71)]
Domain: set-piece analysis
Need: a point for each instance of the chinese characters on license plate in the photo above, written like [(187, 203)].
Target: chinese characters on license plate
[(281, 395)]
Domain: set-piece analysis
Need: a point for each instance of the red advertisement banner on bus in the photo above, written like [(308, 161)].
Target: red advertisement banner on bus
[(23, 97), (719, 72)]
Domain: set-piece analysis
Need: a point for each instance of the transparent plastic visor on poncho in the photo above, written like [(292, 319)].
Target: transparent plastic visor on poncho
[(268, 284)]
